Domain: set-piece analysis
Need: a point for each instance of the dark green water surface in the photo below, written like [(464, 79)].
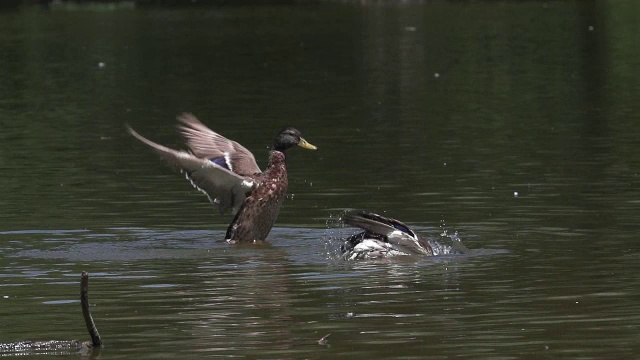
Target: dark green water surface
[(514, 124)]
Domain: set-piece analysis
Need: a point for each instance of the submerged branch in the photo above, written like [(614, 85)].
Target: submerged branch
[(58, 346), (96, 340)]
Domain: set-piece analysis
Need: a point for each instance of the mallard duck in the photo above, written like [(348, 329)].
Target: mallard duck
[(227, 173), (385, 237)]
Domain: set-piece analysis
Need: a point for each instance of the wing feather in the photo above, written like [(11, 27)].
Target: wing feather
[(225, 189), (206, 143), (393, 230)]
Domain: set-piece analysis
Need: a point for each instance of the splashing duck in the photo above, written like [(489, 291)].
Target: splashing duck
[(386, 237)]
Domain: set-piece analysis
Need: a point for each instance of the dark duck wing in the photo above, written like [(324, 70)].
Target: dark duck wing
[(225, 189), (382, 237), (206, 143), (228, 174)]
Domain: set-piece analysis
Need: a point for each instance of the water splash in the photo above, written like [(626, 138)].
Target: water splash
[(335, 234), (457, 247)]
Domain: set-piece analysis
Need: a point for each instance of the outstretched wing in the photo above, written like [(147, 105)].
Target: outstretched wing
[(393, 230), (224, 189), (206, 143)]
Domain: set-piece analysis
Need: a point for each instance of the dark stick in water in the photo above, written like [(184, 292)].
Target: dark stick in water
[(85, 347), (96, 341)]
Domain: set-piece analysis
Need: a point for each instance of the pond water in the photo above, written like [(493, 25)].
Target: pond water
[(512, 124)]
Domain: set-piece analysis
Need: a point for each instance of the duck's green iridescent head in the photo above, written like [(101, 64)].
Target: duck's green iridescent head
[(289, 137)]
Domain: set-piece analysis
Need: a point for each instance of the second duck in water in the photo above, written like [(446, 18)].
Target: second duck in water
[(385, 237), (228, 174)]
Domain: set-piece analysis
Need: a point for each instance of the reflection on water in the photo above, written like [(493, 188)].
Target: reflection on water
[(182, 290), (436, 114)]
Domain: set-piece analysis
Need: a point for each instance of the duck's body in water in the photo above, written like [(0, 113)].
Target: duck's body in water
[(386, 237), (228, 174)]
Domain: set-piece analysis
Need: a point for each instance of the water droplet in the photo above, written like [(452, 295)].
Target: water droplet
[(436, 75), (515, 194)]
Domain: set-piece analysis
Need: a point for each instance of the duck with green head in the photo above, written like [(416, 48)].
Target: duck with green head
[(228, 174)]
